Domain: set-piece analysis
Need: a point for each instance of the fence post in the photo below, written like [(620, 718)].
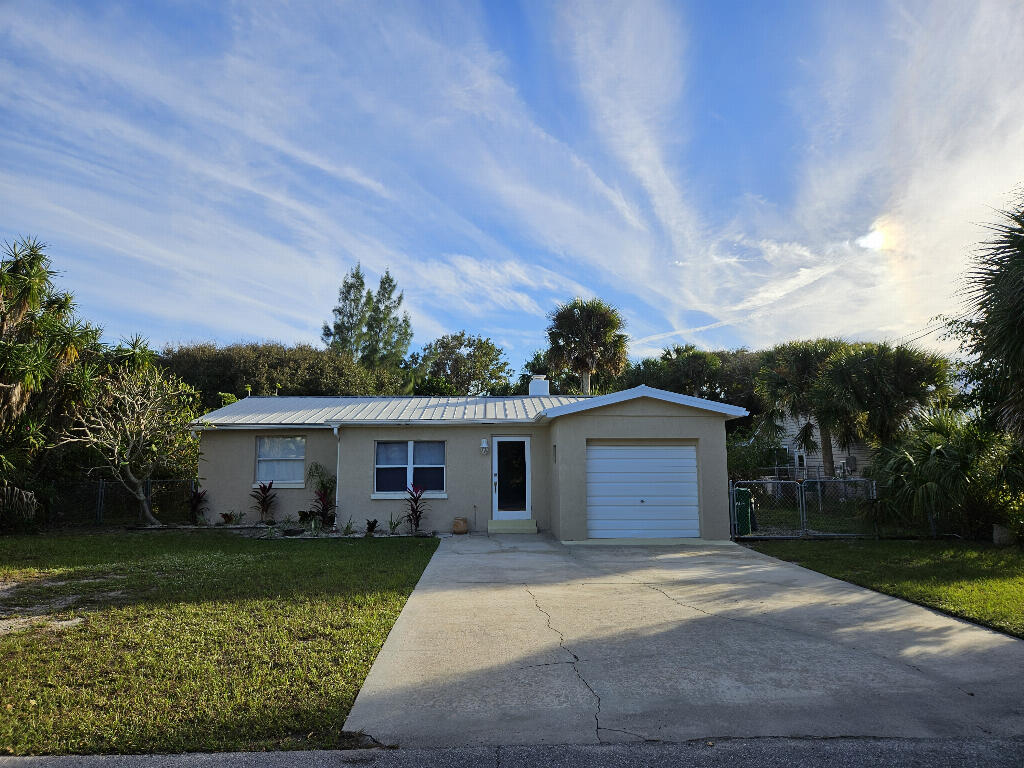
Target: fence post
[(802, 505), (99, 503)]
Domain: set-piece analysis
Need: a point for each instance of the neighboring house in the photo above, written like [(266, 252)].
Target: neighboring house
[(849, 462), (642, 463)]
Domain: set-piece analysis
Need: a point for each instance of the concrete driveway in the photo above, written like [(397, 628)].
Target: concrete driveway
[(521, 640)]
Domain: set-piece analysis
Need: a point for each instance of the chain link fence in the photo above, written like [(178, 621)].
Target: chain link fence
[(789, 508), (108, 504)]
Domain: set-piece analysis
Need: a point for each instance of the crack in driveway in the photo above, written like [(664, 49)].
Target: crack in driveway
[(574, 663)]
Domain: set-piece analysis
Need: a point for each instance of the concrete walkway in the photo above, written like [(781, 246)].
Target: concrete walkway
[(520, 640)]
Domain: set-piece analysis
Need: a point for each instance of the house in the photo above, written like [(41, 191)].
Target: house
[(802, 464), (641, 463)]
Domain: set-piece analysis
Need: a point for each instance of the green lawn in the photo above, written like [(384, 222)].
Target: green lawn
[(979, 582), (177, 642)]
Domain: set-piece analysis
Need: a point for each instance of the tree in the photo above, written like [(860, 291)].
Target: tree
[(268, 369), (140, 422), (369, 326), (881, 386), (586, 337), (990, 329), (789, 383), (471, 365), (684, 369), (388, 334), (346, 334), (48, 360)]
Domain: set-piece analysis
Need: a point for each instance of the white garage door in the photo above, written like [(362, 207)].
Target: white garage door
[(642, 491)]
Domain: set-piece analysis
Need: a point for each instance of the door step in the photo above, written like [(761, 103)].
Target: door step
[(511, 526)]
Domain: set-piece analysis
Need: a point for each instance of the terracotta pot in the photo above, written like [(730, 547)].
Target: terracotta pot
[(460, 525)]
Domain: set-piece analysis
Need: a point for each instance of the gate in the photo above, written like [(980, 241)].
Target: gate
[(791, 508)]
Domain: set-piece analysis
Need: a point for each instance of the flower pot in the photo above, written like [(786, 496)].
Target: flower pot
[(460, 525)]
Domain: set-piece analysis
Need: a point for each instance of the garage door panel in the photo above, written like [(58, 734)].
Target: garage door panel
[(664, 476), (656, 464), (641, 490), (613, 478), (643, 529), (688, 514)]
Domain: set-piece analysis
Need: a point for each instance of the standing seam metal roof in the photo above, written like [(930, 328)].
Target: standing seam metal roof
[(271, 411)]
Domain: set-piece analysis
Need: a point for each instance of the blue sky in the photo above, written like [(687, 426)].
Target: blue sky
[(727, 173)]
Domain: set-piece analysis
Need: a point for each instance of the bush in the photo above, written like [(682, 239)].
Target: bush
[(18, 509), (950, 473)]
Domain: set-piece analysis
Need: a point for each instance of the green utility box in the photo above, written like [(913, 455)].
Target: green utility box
[(743, 505)]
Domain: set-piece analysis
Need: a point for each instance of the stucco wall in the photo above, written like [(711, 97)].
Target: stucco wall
[(228, 469), (643, 419), (558, 465)]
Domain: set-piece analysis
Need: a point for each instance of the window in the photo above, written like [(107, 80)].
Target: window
[(281, 459), (400, 465)]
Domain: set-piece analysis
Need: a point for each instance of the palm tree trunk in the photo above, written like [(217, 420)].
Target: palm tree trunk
[(827, 459), (585, 379)]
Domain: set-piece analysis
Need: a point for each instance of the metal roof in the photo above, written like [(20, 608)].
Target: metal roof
[(328, 411)]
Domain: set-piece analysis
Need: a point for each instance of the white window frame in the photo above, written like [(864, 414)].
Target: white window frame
[(279, 483), (409, 467)]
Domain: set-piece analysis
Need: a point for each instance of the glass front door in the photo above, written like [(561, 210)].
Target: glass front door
[(511, 478)]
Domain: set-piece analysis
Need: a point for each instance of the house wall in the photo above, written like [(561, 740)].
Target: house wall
[(642, 419), (228, 471), (558, 466), (862, 453)]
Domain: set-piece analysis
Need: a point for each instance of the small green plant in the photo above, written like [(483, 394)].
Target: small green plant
[(393, 524), (416, 507), (197, 505), (233, 517), (322, 510), (371, 526), (265, 499), (349, 528)]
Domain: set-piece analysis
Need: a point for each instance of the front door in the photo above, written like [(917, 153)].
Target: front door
[(510, 478)]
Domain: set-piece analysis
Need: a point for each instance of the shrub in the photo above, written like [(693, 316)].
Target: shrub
[(323, 510), (949, 471), (416, 507), (197, 505), (18, 509), (264, 501), (371, 526)]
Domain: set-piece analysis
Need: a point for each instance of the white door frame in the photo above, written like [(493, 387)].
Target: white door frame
[(505, 514)]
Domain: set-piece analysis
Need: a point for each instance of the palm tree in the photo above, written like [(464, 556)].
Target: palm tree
[(789, 383), (585, 336), (880, 386), (991, 326)]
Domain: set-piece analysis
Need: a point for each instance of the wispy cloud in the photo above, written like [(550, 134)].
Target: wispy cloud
[(221, 188)]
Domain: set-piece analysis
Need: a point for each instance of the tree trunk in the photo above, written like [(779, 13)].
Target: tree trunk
[(827, 460), (585, 379), (145, 512)]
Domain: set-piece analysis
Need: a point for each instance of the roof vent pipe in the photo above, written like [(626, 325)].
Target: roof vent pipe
[(539, 386)]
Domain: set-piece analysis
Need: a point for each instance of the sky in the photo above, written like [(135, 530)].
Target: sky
[(726, 173)]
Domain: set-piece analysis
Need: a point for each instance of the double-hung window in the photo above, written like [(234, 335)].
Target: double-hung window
[(407, 464), (281, 459)]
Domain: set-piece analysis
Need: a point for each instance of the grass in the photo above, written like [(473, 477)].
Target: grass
[(978, 582), (179, 642)]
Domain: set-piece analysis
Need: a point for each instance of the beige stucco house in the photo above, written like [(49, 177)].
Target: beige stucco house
[(642, 463)]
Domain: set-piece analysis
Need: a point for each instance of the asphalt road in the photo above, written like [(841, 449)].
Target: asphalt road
[(732, 753)]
